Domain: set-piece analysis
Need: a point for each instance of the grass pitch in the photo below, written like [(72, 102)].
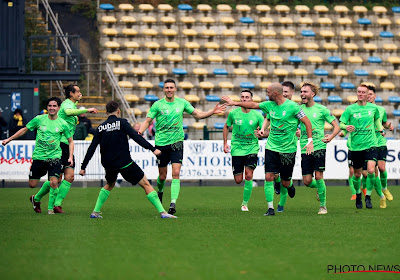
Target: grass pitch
[(212, 239)]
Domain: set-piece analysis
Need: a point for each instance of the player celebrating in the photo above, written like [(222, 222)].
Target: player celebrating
[(244, 144), (69, 113), (168, 113), (47, 153), (315, 162), (361, 119), (115, 158), (281, 146)]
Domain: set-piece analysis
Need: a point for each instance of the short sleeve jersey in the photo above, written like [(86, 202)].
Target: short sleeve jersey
[(318, 115), (284, 121), (72, 121), (49, 133), (362, 118), (383, 116), (243, 140), (169, 120)]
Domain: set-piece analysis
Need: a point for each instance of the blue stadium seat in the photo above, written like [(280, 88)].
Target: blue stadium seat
[(247, 85), (179, 71), (394, 99), (220, 71), (390, 138), (107, 7), (150, 97), (246, 20), (317, 99), (396, 9), (365, 21), (295, 59), (321, 72), (219, 125), (335, 98), (335, 59), (327, 85), (396, 113), (213, 98), (360, 72), (347, 85), (378, 99), (308, 33), (161, 84), (261, 111), (255, 58), (386, 34), (185, 7), (374, 59), (185, 126), (266, 99)]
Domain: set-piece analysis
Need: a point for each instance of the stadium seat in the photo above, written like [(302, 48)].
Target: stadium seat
[(114, 57), (275, 59), (387, 85), (149, 32), (360, 72), (308, 33), (390, 47), (330, 46), (248, 32), (248, 85), (335, 99), (139, 71), (281, 72), (263, 8), (171, 45), (337, 112), (355, 59), (168, 20), (396, 113), (296, 98), (287, 33), (188, 20), (380, 73), (220, 71), (396, 9), (213, 98), (271, 46), (257, 98), (360, 9), (324, 21), (300, 72), (327, 85), (164, 7), (231, 45), (295, 59), (219, 125), (384, 21), (235, 58), (240, 71), (174, 58), (370, 46), (179, 71), (327, 33), (321, 72), (111, 45), (152, 45), (282, 8), (335, 59), (195, 58), (302, 8), (251, 46), (386, 34), (247, 20), (229, 32), (266, 20), (185, 126), (317, 99), (344, 21), (224, 8), (110, 31), (189, 32), (192, 98), (227, 20), (198, 125), (107, 7), (315, 59), (268, 33), (347, 34), (145, 84), (125, 84), (321, 9), (200, 71), (285, 20), (185, 7), (396, 73), (364, 21), (306, 20), (379, 10), (340, 72), (206, 85), (146, 7), (378, 99), (374, 59), (120, 71), (311, 46), (155, 58), (159, 71), (264, 84), (192, 45), (209, 33), (108, 19), (290, 46), (260, 72), (127, 19), (186, 85), (347, 85), (341, 9), (204, 8), (352, 99), (150, 97), (169, 32), (215, 58), (160, 85), (131, 98), (135, 57), (207, 20), (211, 45), (129, 32)]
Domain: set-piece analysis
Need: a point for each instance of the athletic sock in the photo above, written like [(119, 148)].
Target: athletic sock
[(353, 191), (62, 193), (364, 182), (103, 195), (370, 183), (269, 191), (175, 188), (277, 180), (153, 198), (43, 191), (378, 187), (313, 184), (248, 187), (160, 184), (284, 194), (384, 180), (52, 198), (321, 191), (356, 184)]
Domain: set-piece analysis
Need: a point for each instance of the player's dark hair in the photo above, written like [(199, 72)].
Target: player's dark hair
[(18, 110), (372, 88), (246, 90), (112, 106), (169, 81), (56, 99), (68, 89), (288, 84)]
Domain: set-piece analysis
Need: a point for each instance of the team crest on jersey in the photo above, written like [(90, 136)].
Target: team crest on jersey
[(177, 110), (314, 115), (57, 129), (369, 113), (251, 122), (238, 122), (272, 113), (283, 113)]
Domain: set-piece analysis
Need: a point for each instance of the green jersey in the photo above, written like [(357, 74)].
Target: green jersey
[(49, 133), (284, 121), (318, 115), (169, 118), (243, 141), (72, 121), (363, 119), (383, 116)]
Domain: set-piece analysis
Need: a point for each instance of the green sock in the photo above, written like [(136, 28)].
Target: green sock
[(364, 182), (370, 183), (62, 193), (284, 194), (269, 191), (248, 187), (153, 198), (277, 180), (175, 188), (353, 191), (384, 180), (103, 195), (160, 184), (378, 187), (43, 191), (313, 184), (321, 192), (356, 183), (52, 198)]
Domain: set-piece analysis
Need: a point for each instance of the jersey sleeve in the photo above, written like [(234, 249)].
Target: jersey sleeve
[(344, 118), (260, 120), (328, 116), (376, 115), (188, 108), (153, 112), (135, 136), (265, 108), (66, 131), (229, 120), (297, 110), (384, 117), (33, 124)]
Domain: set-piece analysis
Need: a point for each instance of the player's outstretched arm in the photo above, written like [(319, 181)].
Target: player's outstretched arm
[(90, 151), (145, 125), (71, 146), (218, 109), (136, 136), (247, 105), (336, 129), (16, 135), (225, 136), (309, 146), (77, 112)]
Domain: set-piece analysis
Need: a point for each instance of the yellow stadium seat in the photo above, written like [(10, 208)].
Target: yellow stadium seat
[(200, 71), (379, 10), (159, 71), (296, 98), (211, 45), (204, 7), (111, 45), (206, 85), (224, 8), (248, 32), (226, 85), (344, 21), (264, 84), (341, 9), (328, 126), (125, 84), (282, 8), (171, 45), (139, 71), (366, 34), (110, 31), (268, 33), (234, 98), (251, 46), (256, 98), (125, 7), (360, 9), (275, 59), (396, 73), (380, 73), (215, 58), (146, 7), (355, 59), (384, 21), (149, 32), (285, 20), (300, 72), (134, 57), (288, 33), (243, 8), (347, 34), (271, 46), (266, 20), (114, 57), (260, 72), (290, 46), (235, 58), (370, 46), (137, 112), (327, 33), (174, 58), (302, 8), (108, 19), (387, 85), (188, 20), (311, 46), (131, 98), (148, 19), (330, 46), (198, 125), (207, 20), (155, 57), (195, 58), (337, 112), (369, 84), (281, 72), (315, 59), (390, 47), (189, 32), (152, 45), (321, 9), (165, 7), (350, 46), (306, 20), (263, 8), (231, 45), (398, 21), (229, 32), (352, 99), (192, 98), (192, 45), (145, 84), (129, 32), (227, 20), (240, 71), (128, 19), (168, 20), (120, 71), (186, 85), (324, 21), (394, 59), (209, 32), (340, 72)]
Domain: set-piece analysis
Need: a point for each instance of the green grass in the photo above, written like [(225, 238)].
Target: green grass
[(212, 239)]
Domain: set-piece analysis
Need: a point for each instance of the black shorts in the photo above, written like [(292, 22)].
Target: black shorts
[(313, 162), (131, 173), (39, 168), (65, 157), (382, 153), (171, 153), (360, 158), (240, 162), (282, 163)]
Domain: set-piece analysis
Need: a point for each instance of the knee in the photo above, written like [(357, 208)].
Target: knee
[(175, 175), (286, 184), (162, 176), (238, 180), (32, 184), (248, 177), (307, 181), (269, 177)]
